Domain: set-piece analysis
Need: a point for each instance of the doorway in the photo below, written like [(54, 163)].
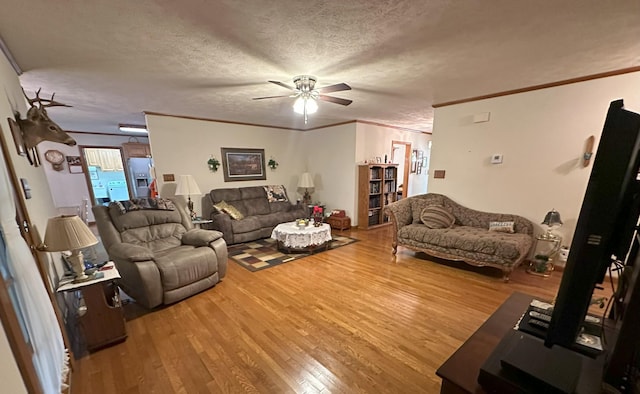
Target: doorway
[(401, 154), (105, 174)]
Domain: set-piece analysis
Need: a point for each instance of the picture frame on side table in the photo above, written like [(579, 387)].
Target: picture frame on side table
[(243, 164)]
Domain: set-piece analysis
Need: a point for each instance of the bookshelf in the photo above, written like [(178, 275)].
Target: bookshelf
[(377, 187)]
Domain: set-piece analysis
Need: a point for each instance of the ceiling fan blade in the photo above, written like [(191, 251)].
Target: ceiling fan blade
[(269, 97), (335, 100), (284, 85), (334, 88)]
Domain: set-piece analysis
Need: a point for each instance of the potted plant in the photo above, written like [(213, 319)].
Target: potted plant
[(272, 163), (541, 265), (213, 164)]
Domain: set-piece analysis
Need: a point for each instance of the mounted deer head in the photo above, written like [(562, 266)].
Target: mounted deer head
[(38, 127)]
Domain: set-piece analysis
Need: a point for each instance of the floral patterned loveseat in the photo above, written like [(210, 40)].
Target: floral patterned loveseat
[(468, 239)]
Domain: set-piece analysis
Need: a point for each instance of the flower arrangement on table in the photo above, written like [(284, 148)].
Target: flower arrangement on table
[(317, 216)]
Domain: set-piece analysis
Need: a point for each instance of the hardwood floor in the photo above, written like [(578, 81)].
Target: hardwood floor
[(354, 319)]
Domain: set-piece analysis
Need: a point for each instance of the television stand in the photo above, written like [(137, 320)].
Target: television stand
[(522, 364), (460, 372)]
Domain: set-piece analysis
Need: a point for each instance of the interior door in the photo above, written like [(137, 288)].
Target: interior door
[(401, 154)]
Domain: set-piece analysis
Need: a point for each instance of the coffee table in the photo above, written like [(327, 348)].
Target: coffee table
[(292, 238)]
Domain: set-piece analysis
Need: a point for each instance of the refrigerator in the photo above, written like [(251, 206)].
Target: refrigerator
[(140, 175)]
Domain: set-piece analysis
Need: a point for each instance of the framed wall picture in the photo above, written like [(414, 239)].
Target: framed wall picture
[(75, 165), (414, 161), (243, 164)]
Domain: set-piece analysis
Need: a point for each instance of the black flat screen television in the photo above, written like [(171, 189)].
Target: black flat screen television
[(606, 223)]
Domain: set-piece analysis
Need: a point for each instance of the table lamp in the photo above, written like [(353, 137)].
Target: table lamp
[(552, 220), (306, 182), (69, 233), (186, 187)]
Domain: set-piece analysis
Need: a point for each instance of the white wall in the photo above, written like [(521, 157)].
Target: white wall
[(183, 146), (331, 161), (542, 136), (69, 189)]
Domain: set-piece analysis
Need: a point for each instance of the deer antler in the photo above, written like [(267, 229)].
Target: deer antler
[(44, 103)]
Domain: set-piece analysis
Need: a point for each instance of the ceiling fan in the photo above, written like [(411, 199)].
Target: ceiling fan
[(307, 95)]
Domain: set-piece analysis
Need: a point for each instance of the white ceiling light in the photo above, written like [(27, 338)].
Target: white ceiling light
[(132, 128), (305, 104)]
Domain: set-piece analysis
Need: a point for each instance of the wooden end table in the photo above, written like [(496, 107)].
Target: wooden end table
[(103, 322)]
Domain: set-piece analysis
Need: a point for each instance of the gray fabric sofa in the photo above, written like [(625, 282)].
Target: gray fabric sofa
[(161, 258), (260, 215), (468, 240)]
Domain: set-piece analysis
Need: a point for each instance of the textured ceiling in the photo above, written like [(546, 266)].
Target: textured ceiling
[(114, 59)]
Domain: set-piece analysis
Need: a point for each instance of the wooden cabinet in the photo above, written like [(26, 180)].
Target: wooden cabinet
[(136, 149), (377, 187), (98, 313), (103, 324)]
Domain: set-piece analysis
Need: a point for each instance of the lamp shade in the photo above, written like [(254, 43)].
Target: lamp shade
[(552, 218), (306, 180), (187, 186), (68, 233)]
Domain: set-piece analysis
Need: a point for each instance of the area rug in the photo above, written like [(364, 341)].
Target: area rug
[(263, 253)]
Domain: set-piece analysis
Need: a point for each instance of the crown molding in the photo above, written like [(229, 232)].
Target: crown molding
[(281, 127), (7, 53), (394, 127), (542, 86)]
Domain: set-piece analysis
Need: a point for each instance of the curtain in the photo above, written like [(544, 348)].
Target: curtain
[(30, 298)]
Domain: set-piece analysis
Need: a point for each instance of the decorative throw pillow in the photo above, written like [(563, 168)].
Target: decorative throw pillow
[(221, 206), (233, 212), (143, 203), (435, 216), (501, 227), (119, 206), (276, 193)]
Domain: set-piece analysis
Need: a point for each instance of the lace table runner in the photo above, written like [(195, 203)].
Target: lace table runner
[(293, 236)]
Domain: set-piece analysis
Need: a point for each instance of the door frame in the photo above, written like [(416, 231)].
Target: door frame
[(8, 316), (87, 176), (407, 164)]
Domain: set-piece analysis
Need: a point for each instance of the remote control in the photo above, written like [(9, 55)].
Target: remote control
[(540, 316), (592, 319), (539, 323)]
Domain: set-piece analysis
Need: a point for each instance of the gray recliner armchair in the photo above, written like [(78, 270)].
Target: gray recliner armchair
[(162, 259)]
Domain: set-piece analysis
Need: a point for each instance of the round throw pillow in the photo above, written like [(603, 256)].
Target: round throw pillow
[(437, 217)]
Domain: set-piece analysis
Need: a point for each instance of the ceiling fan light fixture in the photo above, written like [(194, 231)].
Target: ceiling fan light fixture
[(305, 83), (302, 102), (306, 95)]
